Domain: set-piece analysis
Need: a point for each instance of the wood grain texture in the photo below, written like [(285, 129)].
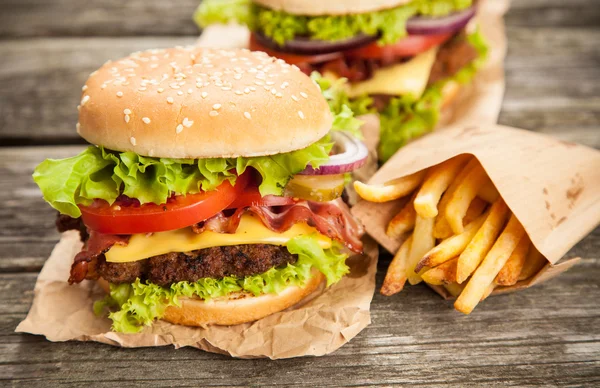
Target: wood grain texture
[(546, 335)]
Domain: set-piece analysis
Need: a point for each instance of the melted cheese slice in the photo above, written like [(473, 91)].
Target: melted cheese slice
[(402, 79), (251, 230)]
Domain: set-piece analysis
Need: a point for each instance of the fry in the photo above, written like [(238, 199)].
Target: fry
[(462, 197), (451, 247), (491, 265), (509, 274), (437, 181), (454, 289), (404, 221), (442, 228), (390, 190), (488, 292), (396, 273), (444, 273), (482, 242), (474, 211), (533, 264), (422, 243), (488, 192)]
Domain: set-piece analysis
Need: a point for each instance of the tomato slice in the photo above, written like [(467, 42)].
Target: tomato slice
[(179, 211), (251, 197), (293, 59), (407, 47)]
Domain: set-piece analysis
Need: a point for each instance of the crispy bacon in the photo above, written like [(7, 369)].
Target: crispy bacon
[(332, 219), (96, 244)]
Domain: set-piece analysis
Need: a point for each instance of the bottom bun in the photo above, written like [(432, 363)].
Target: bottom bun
[(240, 308)]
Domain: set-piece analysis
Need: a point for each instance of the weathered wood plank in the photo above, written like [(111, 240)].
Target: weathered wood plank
[(34, 18), (550, 77)]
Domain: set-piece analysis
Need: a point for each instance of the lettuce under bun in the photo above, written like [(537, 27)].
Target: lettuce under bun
[(332, 7)]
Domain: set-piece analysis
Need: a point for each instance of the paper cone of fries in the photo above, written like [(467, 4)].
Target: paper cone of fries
[(485, 209)]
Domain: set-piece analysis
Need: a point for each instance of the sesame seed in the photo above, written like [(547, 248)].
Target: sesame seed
[(127, 111), (146, 120), (273, 91), (154, 65), (279, 95), (103, 86), (213, 113), (237, 76), (127, 118), (304, 94), (160, 90), (252, 88), (247, 90), (170, 100), (179, 93), (295, 98), (217, 106), (78, 127), (239, 92), (84, 88), (187, 122), (247, 115), (179, 128), (190, 91), (142, 89), (226, 88), (204, 94), (284, 85), (84, 100), (270, 83), (301, 114), (119, 94), (132, 140)]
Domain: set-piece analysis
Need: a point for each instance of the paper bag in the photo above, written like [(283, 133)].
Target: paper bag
[(552, 186)]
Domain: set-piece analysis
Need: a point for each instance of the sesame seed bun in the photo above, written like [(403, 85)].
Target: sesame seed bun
[(197, 102), (240, 308), (333, 7)]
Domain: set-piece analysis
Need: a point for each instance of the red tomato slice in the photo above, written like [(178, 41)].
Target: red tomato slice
[(179, 211), (292, 59), (251, 197), (407, 47)]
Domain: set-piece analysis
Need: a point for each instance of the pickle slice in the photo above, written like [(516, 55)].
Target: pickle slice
[(320, 188)]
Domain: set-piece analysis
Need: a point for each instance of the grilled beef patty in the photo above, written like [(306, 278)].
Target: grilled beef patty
[(217, 262)]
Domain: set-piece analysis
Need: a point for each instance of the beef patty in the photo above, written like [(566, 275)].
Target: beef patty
[(216, 262)]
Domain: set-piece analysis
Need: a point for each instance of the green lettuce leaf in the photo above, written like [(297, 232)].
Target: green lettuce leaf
[(280, 26), (139, 303), (100, 174), (406, 118)]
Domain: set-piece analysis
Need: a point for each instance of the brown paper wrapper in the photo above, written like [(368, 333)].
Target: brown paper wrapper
[(552, 186), (320, 326)]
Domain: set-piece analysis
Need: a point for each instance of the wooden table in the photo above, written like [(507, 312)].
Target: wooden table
[(549, 334)]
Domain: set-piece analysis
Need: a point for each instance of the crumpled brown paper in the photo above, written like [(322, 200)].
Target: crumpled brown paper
[(551, 186), (322, 325)]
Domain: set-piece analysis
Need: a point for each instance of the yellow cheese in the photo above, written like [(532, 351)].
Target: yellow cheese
[(402, 79), (251, 230)]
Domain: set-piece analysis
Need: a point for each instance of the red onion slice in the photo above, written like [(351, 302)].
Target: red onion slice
[(421, 25), (307, 46), (352, 156)]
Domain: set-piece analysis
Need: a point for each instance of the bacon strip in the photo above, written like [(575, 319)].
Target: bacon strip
[(96, 244), (333, 219)]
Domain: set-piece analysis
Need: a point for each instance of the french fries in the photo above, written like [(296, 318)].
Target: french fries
[(443, 273), (396, 273), (404, 221), (482, 241), (490, 267), (437, 181), (422, 243), (391, 190), (450, 248), (463, 236), (509, 274), (462, 198)]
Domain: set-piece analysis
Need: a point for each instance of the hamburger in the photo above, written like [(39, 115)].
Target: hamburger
[(211, 192), (403, 59)]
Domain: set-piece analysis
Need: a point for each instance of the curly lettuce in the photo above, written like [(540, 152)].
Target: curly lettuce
[(389, 24), (406, 118), (97, 173), (138, 304)]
